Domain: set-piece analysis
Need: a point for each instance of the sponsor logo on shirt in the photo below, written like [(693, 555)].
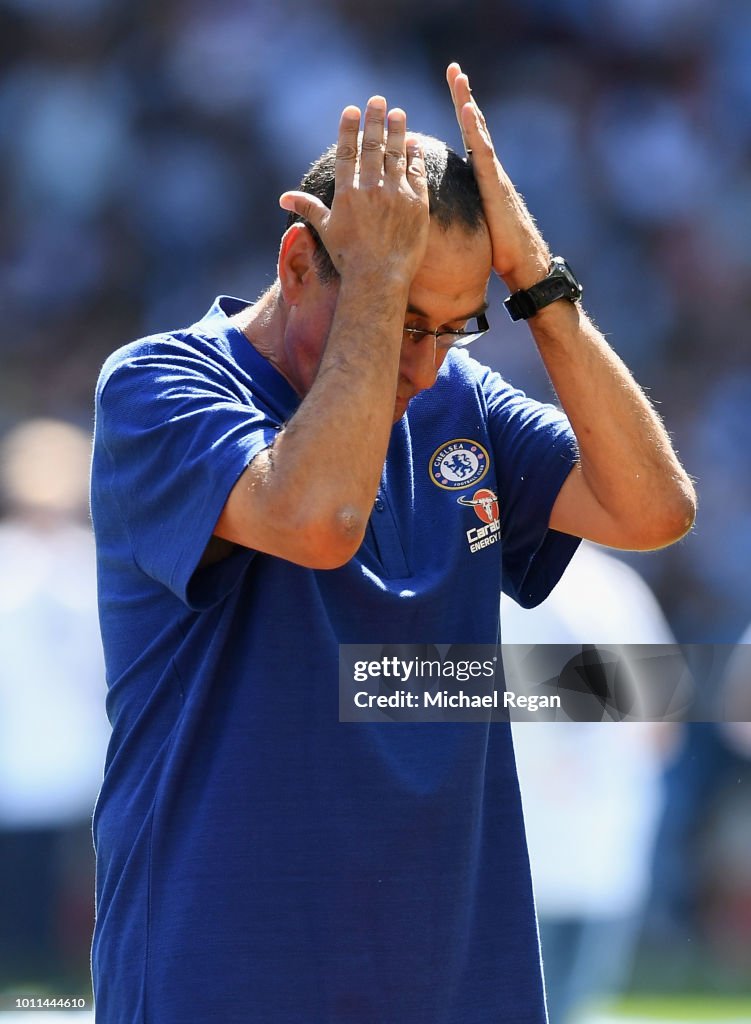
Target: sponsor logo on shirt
[(458, 464), (485, 505)]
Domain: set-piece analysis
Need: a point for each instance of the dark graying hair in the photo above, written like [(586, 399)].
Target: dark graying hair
[(452, 190)]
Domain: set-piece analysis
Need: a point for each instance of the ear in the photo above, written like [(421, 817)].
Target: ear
[(296, 262)]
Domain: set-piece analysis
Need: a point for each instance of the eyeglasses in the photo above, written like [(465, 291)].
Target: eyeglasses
[(445, 338)]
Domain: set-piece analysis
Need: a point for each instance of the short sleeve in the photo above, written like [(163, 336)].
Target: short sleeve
[(535, 450), (174, 432)]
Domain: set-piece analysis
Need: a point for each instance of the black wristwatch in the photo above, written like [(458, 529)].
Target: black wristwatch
[(561, 283)]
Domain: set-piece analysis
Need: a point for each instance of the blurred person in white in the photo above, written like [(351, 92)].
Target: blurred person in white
[(591, 791), (53, 732), (728, 905), (735, 696)]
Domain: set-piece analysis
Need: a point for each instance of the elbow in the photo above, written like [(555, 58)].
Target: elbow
[(688, 508), (672, 519), (329, 540), (680, 511)]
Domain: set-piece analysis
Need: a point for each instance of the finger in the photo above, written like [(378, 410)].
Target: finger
[(371, 155), (416, 168), (310, 208), (476, 136), (486, 166), (454, 72), (346, 148), (463, 97), (461, 94), (395, 158)]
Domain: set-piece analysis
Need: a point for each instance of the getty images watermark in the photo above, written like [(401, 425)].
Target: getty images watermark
[(540, 682)]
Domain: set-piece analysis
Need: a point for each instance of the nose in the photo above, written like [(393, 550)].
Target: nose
[(420, 363)]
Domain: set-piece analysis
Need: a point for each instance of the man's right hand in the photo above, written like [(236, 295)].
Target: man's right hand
[(378, 222), (308, 498)]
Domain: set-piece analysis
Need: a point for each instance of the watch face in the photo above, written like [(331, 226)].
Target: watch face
[(560, 269)]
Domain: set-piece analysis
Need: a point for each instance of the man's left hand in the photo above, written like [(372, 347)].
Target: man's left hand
[(520, 255)]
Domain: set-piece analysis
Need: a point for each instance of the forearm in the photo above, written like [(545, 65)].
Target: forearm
[(626, 457), (628, 490), (334, 447)]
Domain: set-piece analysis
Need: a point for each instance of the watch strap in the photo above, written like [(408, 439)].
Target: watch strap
[(559, 284)]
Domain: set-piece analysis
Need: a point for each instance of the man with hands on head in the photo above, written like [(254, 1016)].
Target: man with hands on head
[(303, 471)]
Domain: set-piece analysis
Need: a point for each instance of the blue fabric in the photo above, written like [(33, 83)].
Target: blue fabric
[(258, 861)]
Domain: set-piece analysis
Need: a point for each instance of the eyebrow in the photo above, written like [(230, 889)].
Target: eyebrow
[(463, 316)]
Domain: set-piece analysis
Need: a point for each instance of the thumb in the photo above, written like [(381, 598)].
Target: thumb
[(416, 167), (306, 206)]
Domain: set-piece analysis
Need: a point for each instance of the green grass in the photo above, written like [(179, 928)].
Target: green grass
[(684, 1008)]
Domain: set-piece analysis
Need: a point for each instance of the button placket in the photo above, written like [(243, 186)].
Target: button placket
[(383, 523)]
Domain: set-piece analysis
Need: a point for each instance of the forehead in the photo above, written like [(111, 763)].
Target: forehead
[(453, 277)]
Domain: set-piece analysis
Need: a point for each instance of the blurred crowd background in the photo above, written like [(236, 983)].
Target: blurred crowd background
[(142, 151)]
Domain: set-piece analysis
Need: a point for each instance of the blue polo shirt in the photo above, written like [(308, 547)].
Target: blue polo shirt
[(258, 860)]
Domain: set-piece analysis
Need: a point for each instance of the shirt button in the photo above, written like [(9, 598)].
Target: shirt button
[(378, 505)]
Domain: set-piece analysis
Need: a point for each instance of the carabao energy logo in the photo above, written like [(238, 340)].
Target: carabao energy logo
[(485, 504)]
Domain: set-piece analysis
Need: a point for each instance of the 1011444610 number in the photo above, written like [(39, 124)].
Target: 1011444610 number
[(50, 1003)]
